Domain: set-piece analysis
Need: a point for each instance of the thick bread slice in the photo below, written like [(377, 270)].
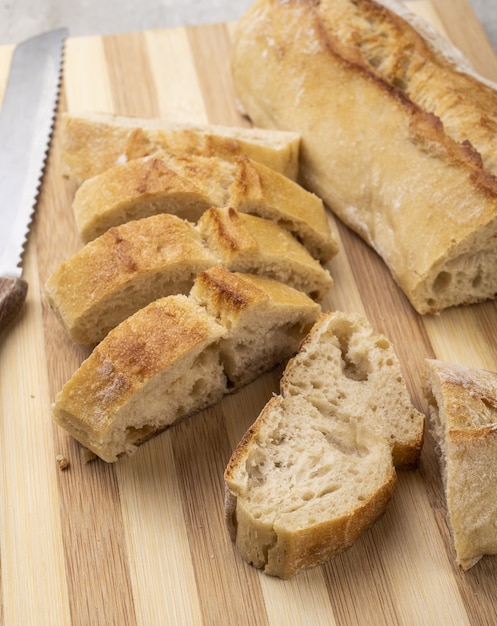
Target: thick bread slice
[(131, 265), (94, 142), (398, 138), (261, 191), (345, 367), (182, 186), (187, 186), (166, 361), (159, 365), (302, 486), (246, 243), (122, 271), (463, 421), (265, 320)]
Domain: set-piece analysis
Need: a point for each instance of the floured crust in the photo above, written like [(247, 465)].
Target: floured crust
[(94, 142), (463, 421), (398, 142)]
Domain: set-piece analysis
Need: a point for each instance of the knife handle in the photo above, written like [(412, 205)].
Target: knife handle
[(12, 296)]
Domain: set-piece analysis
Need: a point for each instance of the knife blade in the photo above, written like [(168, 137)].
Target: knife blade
[(26, 124)]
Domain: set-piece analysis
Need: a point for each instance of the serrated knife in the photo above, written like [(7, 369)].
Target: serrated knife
[(26, 123)]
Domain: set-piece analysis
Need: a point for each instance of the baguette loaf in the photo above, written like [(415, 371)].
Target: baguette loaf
[(344, 364), (398, 136), (188, 186), (131, 265), (166, 361), (463, 421), (303, 486), (94, 142)]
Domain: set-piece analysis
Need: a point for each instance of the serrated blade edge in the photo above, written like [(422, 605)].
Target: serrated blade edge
[(27, 119)]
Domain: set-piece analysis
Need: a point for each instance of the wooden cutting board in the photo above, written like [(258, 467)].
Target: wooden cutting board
[(142, 541)]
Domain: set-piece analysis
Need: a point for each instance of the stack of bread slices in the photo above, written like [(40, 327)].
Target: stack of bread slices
[(202, 268)]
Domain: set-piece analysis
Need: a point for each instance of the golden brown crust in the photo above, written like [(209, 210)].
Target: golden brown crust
[(426, 200), (94, 142), (248, 243), (123, 270)]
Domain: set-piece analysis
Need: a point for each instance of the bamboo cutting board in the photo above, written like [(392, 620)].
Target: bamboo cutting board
[(142, 541)]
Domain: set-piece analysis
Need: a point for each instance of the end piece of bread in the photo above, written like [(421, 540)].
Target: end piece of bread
[(93, 142), (398, 137), (303, 486), (159, 365), (166, 361), (122, 271), (462, 416), (265, 320), (247, 243), (345, 367)]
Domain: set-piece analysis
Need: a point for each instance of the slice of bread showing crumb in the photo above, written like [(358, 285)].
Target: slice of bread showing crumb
[(122, 271), (344, 366), (265, 320), (302, 486), (159, 365), (247, 243), (463, 421)]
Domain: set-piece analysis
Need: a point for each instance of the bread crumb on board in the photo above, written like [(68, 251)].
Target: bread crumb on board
[(62, 461)]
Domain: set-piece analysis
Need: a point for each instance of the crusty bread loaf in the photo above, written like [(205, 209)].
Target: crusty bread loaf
[(462, 415), (303, 485), (122, 271), (188, 185), (131, 265), (246, 243), (344, 364), (398, 136), (166, 361), (265, 322), (94, 142), (316, 468)]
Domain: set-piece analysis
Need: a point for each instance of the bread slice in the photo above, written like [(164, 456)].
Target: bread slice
[(182, 186), (247, 243), (93, 142), (159, 365), (345, 367), (131, 265), (265, 320), (122, 271), (303, 485), (166, 361), (399, 137), (463, 421), (187, 186)]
